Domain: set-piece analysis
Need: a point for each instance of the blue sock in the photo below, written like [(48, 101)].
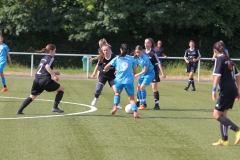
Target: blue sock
[(116, 100), (134, 107), (144, 95), (139, 96), (3, 82)]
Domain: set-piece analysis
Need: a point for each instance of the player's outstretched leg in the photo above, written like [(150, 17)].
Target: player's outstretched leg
[(57, 101), (24, 105)]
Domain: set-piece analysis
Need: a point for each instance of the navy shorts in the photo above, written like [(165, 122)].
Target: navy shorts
[(103, 80), (156, 78), (191, 67), (41, 84), (224, 103)]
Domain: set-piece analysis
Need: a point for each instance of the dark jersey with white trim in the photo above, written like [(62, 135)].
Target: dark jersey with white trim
[(41, 69), (227, 83), (154, 59), (192, 54), (102, 64)]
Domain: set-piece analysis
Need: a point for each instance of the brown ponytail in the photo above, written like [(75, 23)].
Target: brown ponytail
[(220, 47), (47, 49)]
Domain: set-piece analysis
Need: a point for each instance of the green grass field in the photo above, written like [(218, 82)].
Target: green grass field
[(182, 130)]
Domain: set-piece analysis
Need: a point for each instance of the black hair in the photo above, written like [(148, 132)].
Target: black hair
[(138, 47), (124, 48)]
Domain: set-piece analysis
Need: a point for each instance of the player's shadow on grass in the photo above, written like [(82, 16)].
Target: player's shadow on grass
[(188, 110), (161, 117)]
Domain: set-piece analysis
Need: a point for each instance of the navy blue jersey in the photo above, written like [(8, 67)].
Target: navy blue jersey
[(227, 83), (102, 64), (192, 54), (41, 69), (154, 59)]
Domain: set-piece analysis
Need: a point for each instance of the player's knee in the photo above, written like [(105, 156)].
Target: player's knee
[(61, 88), (215, 115), (33, 96), (98, 88)]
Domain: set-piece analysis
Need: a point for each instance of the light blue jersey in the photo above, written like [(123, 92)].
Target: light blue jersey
[(144, 61), (3, 53), (124, 67)]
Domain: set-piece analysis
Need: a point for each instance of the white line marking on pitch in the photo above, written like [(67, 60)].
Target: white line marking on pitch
[(92, 109)]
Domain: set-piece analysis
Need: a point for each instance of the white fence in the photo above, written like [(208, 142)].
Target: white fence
[(89, 55)]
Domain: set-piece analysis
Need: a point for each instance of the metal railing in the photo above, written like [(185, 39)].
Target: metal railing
[(93, 55)]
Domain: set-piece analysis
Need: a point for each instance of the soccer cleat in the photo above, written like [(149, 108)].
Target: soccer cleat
[(237, 137), (136, 115), (94, 101), (19, 112), (4, 89), (114, 110), (156, 107), (193, 89), (142, 107), (221, 142), (119, 107), (57, 110), (138, 103), (186, 88)]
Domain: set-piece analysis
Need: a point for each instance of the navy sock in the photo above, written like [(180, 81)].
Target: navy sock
[(25, 104), (229, 124), (224, 132)]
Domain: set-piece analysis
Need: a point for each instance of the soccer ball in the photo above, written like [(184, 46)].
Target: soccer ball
[(128, 109)]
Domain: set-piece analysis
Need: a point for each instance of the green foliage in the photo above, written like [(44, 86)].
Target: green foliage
[(75, 26)]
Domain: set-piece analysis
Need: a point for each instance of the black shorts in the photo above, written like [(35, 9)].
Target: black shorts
[(103, 80), (224, 103), (156, 78), (41, 84), (191, 67)]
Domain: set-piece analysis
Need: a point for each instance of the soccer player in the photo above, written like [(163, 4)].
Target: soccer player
[(104, 58), (146, 75), (4, 53), (192, 56), (101, 43), (126, 69), (149, 45), (222, 72), (214, 57), (43, 80)]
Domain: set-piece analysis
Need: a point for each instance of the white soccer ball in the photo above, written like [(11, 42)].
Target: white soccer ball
[(128, 109)]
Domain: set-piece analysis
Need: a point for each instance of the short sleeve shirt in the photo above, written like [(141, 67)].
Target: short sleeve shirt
[(192, 54), (124, 67), (226, 83), (3, 53), (110, 73), (144, 61), (154, 60), (159, 51), (41, 69)]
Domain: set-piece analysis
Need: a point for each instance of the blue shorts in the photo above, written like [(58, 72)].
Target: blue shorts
[(129, 88), (146, 79), (2, 65)]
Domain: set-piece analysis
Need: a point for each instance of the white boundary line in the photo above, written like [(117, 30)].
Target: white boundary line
[(92, 109)]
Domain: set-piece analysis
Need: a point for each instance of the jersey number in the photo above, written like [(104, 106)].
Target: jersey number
[(40, 68)]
